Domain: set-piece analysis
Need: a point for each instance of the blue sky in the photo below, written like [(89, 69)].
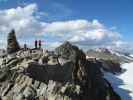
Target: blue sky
[(115, 15)]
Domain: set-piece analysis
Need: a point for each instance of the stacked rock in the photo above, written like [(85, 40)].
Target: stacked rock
[(12, 44)]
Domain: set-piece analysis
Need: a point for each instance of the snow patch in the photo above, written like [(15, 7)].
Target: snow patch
[(131, 55), (123, 83)]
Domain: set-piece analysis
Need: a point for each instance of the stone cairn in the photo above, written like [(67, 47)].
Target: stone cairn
[(12, 44)]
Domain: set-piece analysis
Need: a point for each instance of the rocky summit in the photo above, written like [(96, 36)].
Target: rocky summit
[(64, 74)]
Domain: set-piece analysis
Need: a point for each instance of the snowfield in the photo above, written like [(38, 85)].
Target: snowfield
[(131, 55), (123, 83)]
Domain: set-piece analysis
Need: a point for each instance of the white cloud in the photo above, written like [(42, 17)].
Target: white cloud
[(20, 19), (82, 32), (53, 45), (71, 26)]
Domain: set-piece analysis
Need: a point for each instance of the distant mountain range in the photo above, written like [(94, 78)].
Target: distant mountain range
[(108, 54)]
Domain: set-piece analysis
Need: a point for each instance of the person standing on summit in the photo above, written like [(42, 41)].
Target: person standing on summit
[(36, 44), (40, 44)]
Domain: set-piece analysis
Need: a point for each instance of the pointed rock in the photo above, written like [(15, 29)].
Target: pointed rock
[(12, 44)]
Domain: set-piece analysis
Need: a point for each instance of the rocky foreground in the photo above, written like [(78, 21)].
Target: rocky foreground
[(64, 74)]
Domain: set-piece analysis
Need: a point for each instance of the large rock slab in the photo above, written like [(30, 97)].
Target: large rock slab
[(45, 73)]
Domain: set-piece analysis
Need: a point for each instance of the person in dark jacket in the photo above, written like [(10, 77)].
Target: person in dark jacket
[(36, 44), (40, 44)]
